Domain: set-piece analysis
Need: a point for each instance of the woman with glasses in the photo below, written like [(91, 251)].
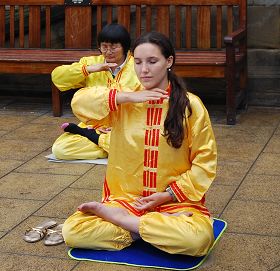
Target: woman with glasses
[(113, 68), (162, 161)]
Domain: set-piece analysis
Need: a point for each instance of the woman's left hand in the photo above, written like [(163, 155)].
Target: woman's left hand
[(151, 202)]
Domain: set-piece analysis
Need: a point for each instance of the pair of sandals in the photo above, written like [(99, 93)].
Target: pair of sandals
[(50, 231)]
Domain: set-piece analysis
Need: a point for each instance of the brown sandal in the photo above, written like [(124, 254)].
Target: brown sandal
[(54, 237), (37, 233)]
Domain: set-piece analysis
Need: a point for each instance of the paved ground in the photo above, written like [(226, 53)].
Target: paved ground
[(246, 192)]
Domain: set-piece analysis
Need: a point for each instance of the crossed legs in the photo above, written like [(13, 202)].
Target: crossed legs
[(117, 216), (95, 224)]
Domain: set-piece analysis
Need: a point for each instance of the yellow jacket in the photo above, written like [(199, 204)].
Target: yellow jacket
[(140, 161), (75, 76)]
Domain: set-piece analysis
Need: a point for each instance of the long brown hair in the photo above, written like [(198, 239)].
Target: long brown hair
[(178, 101)]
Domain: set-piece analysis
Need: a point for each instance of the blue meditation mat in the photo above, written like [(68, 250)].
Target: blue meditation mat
[(143, 254)]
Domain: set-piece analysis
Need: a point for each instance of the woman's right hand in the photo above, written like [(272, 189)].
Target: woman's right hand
[(141, 96), (100, 67)]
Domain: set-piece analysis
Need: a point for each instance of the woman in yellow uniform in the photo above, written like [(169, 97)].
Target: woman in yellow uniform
[(114, 68), (162, 161)]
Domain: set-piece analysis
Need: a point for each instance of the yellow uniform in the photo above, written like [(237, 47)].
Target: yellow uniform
[(73, 146), (146, 164)]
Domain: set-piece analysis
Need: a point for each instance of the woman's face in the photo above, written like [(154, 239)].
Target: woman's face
[(151, 66), (113, 52)]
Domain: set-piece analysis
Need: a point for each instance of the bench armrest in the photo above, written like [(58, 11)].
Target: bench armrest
[(235, 36)]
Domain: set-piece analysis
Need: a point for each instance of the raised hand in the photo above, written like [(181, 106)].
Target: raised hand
[(101, 67), (105, 130), (141, 96)]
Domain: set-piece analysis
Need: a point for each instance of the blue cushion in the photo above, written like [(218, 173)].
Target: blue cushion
[(143, 254)]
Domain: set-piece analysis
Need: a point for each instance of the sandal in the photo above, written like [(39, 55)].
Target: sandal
[(54, 237), (38, 233)]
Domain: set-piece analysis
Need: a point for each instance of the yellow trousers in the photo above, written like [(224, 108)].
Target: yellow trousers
[(173, 234), (73, 146)]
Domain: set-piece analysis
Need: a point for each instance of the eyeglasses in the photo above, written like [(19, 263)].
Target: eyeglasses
[(104, 49)]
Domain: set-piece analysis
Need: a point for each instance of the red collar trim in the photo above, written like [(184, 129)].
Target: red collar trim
[(169, 88)]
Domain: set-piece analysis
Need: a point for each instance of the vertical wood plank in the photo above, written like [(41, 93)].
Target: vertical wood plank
[(21, 26), (124, 16), (48, 27), (98, 20), (78, 31), (188, 27), (2, 26), (148, 18), (12, 26), (219, 27), (203, 27), (109, 12), (34, 26), (178, 27), (138, 21), (163, 20), (243, 13), (229, 19)]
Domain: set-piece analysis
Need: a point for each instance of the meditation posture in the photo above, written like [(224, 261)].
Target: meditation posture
[(112, 69), (162, 161)]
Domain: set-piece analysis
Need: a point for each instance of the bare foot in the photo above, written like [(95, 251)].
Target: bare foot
[(117, 216)]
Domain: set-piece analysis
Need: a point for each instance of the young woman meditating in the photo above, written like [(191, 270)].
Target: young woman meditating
[(162, 161)]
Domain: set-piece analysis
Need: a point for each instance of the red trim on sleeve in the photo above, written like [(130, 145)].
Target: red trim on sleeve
[(112, 100), (84, 70), (106, 190), (178, 192)]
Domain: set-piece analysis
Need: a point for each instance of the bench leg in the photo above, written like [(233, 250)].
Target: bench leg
[(56, 101), (230, 86), (231, 116), (230, 98), (243, 87)]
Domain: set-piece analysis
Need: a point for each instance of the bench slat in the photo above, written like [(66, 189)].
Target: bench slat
[(148, 18), (165, 2), (34, 26), (124, 16), (109, 15), (188, 27), (78, 27), (229, 20), (98, 20), (12, 26), (178, 27), (48, 27), (163, 20), (69, 56), (21, 27), (121, 2), (138, 21), (2, 26), (203, 27), (219, 27)]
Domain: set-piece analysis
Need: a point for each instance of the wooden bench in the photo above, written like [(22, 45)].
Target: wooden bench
[(209, 37)]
